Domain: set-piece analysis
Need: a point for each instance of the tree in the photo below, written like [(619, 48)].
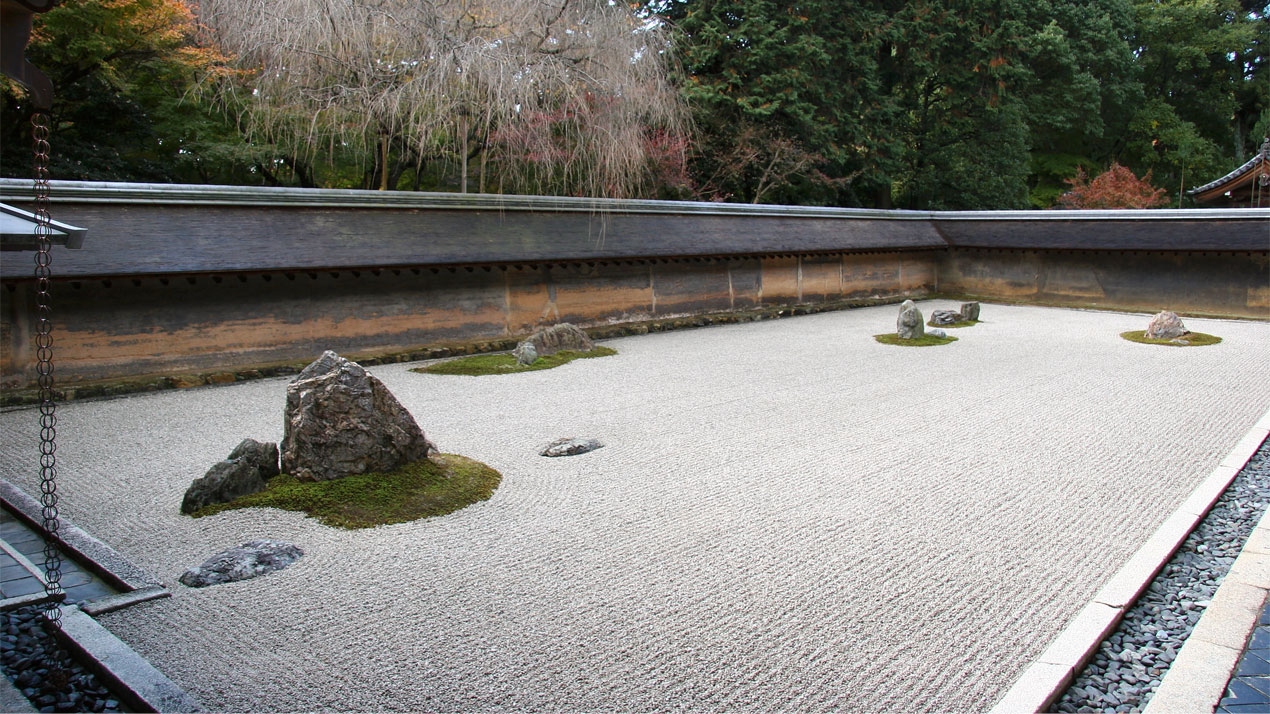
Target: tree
[(1117, 187), (411, 82), (121, 70)]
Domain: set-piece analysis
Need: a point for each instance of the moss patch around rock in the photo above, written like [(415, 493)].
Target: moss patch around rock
[(431, 487), (1194, 339), (890, 338), (962, 323), (478, 365)]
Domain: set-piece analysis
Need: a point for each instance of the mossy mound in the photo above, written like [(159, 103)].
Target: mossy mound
[(890, 338), (504, 363), (962, 323), (422, 489), (1194, 339)]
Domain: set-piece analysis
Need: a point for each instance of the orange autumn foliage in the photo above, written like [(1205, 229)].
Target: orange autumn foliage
[(1117, 187)]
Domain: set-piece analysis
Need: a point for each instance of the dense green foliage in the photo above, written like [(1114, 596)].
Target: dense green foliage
[(435, 486), (924, 104), (504, 363)]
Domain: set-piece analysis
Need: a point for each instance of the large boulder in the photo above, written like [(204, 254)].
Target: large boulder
[(970, 311), (245, 471), (560, 337), (340, 421), (247, 561), (909, 324), (1165, 326)]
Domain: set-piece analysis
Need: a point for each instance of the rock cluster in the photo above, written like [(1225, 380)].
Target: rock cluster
[(569, 447), (1127, 668), (909, 324), (249, 560), (244, 471), (551, 340), (340, 421), (1165, 326)]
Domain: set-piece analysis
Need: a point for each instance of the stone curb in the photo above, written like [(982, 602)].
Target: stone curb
[(98, 557), (1044, 681), (1198, 678), (136, 681)]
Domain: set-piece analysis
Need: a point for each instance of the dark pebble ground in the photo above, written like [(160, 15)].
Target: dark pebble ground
[(1126, 670), (44, 671)]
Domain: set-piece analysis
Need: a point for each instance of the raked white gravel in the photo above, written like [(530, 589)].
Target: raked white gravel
[(786, 515)]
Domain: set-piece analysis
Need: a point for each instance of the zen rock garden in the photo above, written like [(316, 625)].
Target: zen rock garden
[(910, 327), (1166, 328)]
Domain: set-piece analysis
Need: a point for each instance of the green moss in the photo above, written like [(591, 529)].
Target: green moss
[(1196, 339), (962, 323), (890, 338), (431, 487), (477, 365)]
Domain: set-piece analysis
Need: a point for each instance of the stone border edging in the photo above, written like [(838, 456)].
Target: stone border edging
[(136, 681), (1198, 677), (1044, 681), (98, 557)]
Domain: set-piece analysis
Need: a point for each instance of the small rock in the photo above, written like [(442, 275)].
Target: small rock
[(1165, 326), (569, 447), (945, 317), (936, 332), (525, 353), (970, 311), (247, 561), (909, 324)]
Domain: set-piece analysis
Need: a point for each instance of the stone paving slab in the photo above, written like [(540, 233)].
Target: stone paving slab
[(786, 515)]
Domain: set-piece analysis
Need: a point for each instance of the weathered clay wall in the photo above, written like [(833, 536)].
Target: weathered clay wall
[(120, 328), (197, 280), (1219, 283)]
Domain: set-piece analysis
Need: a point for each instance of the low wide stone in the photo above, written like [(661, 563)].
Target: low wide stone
[(945, 317), (564, 336), (249, 560), (570, 447), (909, 324)]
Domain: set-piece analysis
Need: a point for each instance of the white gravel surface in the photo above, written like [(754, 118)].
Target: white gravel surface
[(786, 515)]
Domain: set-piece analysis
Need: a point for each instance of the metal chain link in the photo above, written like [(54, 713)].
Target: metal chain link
[(44, 370)]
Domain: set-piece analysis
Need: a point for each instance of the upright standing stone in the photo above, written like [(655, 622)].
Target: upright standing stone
[(970, 311), (340, 421), (909, 325), (1165, 326)]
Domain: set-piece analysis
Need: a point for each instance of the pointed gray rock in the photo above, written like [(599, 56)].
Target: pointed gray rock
[(340, 421), (909, 324)]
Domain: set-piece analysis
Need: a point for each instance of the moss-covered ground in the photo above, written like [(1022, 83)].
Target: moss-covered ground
[(430, 487), (1194, 339), (961, 323), (890, 338), (504, 363)]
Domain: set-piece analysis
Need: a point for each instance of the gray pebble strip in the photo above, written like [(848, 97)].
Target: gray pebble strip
[(44, 672), (1128, 667)]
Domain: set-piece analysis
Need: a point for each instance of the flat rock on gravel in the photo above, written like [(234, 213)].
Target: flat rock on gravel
[(765, 530)]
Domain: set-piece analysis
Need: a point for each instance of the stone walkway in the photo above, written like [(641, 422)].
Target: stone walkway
[(786, 515), (1249, 688)]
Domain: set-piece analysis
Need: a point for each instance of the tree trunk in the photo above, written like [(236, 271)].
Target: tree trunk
[(463, 159), (383, 164)]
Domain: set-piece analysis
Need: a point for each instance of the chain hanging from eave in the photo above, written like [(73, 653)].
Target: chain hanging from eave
[(44, 370)]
